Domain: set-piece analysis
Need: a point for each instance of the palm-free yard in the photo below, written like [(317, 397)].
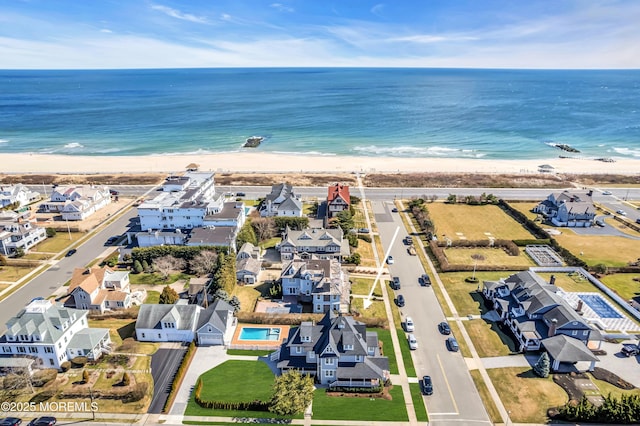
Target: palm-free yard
[(465, 296), (58, 243), (475, 222), (623, 284), (327, 407), (487, 257), (488, 339), (594, 249)]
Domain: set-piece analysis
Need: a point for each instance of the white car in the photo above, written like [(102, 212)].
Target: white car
[(621, 212), (413, 343), (408, 324), (606, 193), (390, 260)]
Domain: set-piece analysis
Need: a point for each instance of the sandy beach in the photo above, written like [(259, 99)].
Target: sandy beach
[(277, 163)]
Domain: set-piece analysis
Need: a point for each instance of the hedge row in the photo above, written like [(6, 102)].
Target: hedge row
[(532, 242), (296, 319), (177, 379), (345, 389), (437, 248), (131, 394), (147, 254), (226, 405)]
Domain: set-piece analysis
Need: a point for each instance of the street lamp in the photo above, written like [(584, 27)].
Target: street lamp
[(68, 229), (93, 412)]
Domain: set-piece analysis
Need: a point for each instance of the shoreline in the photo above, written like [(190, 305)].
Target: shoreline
[(248, 162)]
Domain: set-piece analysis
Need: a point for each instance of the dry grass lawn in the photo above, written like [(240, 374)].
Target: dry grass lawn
[(595, 249), (475, 222), (525, 208), (13, 273), (525, 395), (490, 256), (248, 297), (366, 253), (487, 338), (58, 243), (376, 310), (465, 297), (623, 284), (363, 286)]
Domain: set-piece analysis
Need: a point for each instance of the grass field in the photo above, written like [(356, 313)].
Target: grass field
[(248, 297), (366, 253), (363, 286), (384, 336), (58, 243), (488, 339), (489, 256), (248, 352), (152, 297), (607, 388), (156, 279), (619, 250), (525, 395), (475, 222), (376, 310), (418, 402), (623, 284), (488, 402), (464, 295), (570, 284), (360, 409), (13, 273), (525, 208)]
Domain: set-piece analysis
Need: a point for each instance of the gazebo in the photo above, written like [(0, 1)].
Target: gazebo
[(193, 167), (546, 168)]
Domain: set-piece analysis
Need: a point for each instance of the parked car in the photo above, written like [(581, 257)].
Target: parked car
[(43, 421), (395, 283), (363, 230), (111, 240), (413, 342), (408, 240), (10, 421), (427, 385), (444, 328), (629, 349), (389, 260), (395, 210), (400, 300), (424, 280), (71, 252), (240, 194), (113, 192), (600, 223), (606, 192), (452, 344), (408, 324), (621, 212), (637, 220)]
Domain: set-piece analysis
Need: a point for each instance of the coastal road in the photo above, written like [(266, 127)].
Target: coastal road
[(455, 399), (60, 272)]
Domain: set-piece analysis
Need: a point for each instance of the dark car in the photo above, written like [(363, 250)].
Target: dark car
[(10, 421), (408, 240), (395, 210), (395, 283), (43, 421), (113, 192), (71, 252), (111, 240), (240, 194), (452, 344), (425, 280), (400, 300), (427, 385), (444, 328)]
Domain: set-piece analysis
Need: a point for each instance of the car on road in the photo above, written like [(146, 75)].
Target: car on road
[(400, 300), (452, 344), (427, 385), (111, 240), (621, 212), (606, 193), (424, 280), (444, 328), (413, 342), (113, 192), (395, 283), (10, 421), (43, 421), (638, 220), (395, 210), (240, 194), (600, 223), (389, 260), (363, 230), (408, 240), (409, 326), (71, 252)]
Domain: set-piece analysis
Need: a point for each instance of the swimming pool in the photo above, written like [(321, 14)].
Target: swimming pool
[(259, 333), (600, 306)]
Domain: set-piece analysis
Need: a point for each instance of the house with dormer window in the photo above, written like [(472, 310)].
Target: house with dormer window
[(281, 201), (52, 334), (98, 288), (337, 351), (77, 202), (568, 209), (338, 199), (319, 243)]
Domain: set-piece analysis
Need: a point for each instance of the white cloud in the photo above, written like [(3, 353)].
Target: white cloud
[(174, 13), (105, 30), (377, 9), (281, 7), (427, 38)]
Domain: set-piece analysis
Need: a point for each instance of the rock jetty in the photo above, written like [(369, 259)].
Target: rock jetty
[(253, 142)]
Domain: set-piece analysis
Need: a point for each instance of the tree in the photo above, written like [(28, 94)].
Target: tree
[(126, 379), (264, 227), (235, 302), (145, 266), (137, 267), (85, 376), (165, 264), (204, 262), (292, 393), (246, 235), (345, 220), (543, 366), (168, 296), (51, 232), (19, 252), (452, 199)]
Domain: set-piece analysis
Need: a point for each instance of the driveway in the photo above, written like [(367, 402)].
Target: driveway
[(614, 361), (164, 364)]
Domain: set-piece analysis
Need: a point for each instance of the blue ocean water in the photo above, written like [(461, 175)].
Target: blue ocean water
[(494, 114)]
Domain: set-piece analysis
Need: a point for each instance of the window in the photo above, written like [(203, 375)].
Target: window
[(329, 373), (6, 349), (51, 362), (299, 350), (48, 350), (159, 336), (348, 347), (329, 361), (574, 332), (22, 350), (33, 350)]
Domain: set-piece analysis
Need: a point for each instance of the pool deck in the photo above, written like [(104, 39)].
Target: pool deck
[(236, 343), (623, 324)]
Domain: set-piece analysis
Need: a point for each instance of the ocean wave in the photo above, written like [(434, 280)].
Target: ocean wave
[(72, 145), (323, 154), (4, 140), (414, 151), (627, 151)]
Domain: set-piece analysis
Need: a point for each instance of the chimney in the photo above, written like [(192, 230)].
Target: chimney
[(552, 280), (579, 307), (552, 327)]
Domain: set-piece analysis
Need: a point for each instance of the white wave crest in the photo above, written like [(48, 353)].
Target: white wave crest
[(4, 140), (627, 152), (414, 151), (72, 145), (316, 153)]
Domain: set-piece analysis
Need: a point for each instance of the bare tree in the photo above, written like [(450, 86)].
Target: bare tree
[(165, 264), (204, 262), (264, 227)]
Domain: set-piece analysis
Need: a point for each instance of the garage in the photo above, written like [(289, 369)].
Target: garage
[(205, 339)]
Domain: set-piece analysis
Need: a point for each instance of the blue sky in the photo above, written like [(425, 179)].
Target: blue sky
[(53, 34)]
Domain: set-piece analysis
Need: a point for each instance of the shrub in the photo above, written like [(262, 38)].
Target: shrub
[(65, 366), (126, 379), (42, 377), (50, 232), (137, 267), (364, 237), (85, 376), (79, 361)]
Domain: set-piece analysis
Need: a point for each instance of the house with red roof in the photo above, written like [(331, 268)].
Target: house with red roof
[(338, 199)]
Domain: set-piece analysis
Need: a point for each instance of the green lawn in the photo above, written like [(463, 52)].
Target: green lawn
[(487, 257), (363, 286), (58, 243), (406, 353), (235, 381), (488, 339), (464, 295), (270, 243), (375, 310), (156, 279), (247, 352), (152, 297), (384, 336), (623, 284), (475, 222), (619, 250), (418, 402), (360, 409), (525, 395)]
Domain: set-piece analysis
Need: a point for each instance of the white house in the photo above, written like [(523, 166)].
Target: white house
[(19, 235), (19, 195), (216, 324), (568, 209), (248, 263), (99, 289), (281, 201), (320, 281), (77, 202), (314, 242), (53, 334)]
